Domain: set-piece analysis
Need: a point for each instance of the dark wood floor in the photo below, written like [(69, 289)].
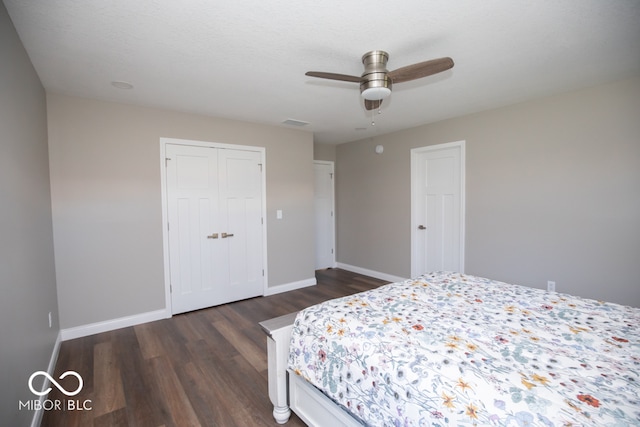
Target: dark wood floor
[(204, 368)]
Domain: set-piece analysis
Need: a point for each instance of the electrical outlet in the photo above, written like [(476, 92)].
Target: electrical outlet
[(50, 323), (551, 286)]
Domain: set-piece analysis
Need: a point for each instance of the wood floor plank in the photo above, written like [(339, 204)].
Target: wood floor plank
[(186, 327), (144, 406), (173, 342), (240, 321), (206, 368), (107, 380), (197, 386), (180, 409), (110, 419), (229, 408), (149, 341), (243, 344)]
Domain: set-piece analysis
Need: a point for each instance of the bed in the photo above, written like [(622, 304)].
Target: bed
[(447, 349)]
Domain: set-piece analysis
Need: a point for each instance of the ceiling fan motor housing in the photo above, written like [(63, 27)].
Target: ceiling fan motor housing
[(375, 83)]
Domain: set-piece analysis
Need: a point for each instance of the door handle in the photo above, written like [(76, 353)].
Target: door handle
[(213, 236), (422, 227), (225, 235)]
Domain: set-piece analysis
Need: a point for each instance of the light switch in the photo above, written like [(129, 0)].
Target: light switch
[(279, 214)]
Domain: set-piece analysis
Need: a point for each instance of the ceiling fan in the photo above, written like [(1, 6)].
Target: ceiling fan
[(376, 80)]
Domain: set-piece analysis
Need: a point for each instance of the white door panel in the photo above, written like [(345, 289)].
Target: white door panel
[(438, 208), (241, 203), (324, 215)]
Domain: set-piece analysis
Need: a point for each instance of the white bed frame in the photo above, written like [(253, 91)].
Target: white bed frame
[(288, 391)]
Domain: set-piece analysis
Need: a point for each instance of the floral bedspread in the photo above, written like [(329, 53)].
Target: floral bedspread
[(448, 349)]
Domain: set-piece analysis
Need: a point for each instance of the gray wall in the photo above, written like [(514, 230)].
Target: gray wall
[(552, 193), (325, 152), (27, 275), (105, 189)]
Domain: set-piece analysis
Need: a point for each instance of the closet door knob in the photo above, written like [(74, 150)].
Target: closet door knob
[(213, 236), (422, 227), (225, 235)]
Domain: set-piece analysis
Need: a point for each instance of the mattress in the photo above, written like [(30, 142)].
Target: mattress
[(450, 349)]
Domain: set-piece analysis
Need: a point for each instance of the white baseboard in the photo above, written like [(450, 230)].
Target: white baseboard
[(371, 273), (136, 319), (290, 286), (110, 325), (38, 414)]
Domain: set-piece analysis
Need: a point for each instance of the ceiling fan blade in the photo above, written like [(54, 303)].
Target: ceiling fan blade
[(421, 69), (333, 76), (372, 105)]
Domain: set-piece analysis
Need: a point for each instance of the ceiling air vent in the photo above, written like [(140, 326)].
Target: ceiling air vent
[(293, 122)]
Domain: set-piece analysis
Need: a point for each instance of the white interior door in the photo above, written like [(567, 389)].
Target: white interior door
[(437, 208), (324, 215), (214, 210), (240, 175)]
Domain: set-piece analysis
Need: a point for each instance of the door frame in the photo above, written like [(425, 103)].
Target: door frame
[(414, 199), (333, 205), (165, 208)]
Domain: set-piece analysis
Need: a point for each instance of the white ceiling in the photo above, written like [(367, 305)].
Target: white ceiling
[(246, 59)]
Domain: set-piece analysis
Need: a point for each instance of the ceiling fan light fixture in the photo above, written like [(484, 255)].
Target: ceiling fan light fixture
[(376, 93), (376, 86)]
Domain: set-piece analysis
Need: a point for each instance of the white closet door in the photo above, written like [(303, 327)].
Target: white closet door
[(324, 215), (215, 231), (240, 176)]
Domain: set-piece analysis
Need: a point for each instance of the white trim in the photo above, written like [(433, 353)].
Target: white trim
[(165, 222), (414, 223), (110, 325), (371, 273), (208, 144), (291, 286), (38, 414), (165, 218)]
